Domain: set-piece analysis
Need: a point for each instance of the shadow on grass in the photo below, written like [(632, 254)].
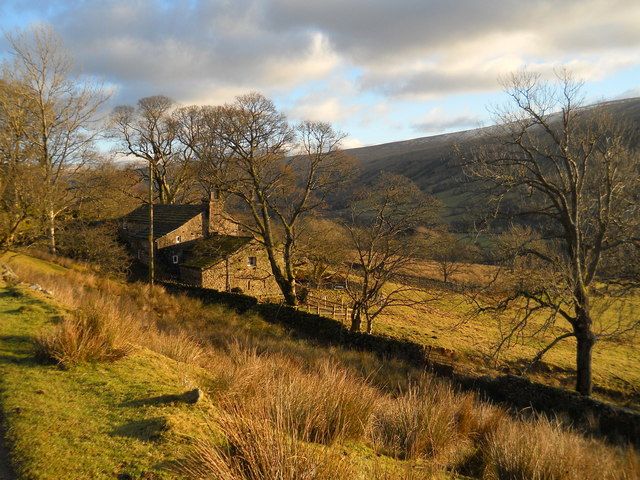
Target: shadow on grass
[(149, 429), (17, 350), (189, 397)]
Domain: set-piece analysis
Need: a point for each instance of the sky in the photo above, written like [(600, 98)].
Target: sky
[(379, 70)]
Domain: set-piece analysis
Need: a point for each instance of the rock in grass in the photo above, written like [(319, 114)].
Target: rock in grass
[(193, 396)]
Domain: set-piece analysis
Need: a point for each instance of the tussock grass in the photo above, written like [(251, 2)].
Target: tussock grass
[(284, 407), (179, 346), (261, 448), (541, 450), (324, 407), (89, 334), (420, 423)]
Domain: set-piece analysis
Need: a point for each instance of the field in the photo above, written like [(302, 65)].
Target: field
[(270, 406), (448, 322)]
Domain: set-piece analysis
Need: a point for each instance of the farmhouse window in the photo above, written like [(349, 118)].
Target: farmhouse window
[(252, 261), (175, 259), (178, 239)]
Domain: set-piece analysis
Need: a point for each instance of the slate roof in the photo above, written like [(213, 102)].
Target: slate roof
[(206, 252), (166, 218)]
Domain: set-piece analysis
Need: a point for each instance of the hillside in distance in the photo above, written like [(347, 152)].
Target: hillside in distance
[(431, 161)]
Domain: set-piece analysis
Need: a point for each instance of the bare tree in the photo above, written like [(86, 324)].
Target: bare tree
[(199, 129), (149, 132), (245, 152), (62, 110), (18, 179), (382, 222), (324, 247), (570, 174), (449, 252)]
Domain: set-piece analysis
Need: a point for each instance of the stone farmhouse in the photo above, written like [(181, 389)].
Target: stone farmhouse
[(200, 246)]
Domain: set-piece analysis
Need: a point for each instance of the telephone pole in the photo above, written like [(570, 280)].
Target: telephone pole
[(151, 243)]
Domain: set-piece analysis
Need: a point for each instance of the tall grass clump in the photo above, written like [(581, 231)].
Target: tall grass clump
[(89, 334), (324, 407), (418, 424), (261, 448), (542, 450), (179, 345)]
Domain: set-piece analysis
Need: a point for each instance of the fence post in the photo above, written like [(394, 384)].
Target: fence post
[(333, 313)]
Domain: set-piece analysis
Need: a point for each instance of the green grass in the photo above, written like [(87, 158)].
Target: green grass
[(448, 322), (42, 265), (120, 419), (92, 421), (123, 420)]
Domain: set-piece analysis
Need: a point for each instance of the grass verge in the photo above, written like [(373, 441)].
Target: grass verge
[(103, 420)]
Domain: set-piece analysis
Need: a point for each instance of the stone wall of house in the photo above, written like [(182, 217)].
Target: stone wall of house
[(139, 248), (191, 276), (257, 281), (191, 230)]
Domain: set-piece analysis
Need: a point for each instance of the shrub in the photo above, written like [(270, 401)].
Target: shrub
[(260, 448), (96, 244), (89, 334)]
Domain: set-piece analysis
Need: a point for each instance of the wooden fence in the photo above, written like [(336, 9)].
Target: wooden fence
[(321, 305)]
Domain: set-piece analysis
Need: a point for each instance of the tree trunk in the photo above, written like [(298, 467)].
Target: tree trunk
[(586, 339), (369, 325), (356, 318), (52, 233), (288, 291), (288, 288)]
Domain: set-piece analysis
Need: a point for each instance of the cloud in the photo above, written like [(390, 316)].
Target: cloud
[(209, 50), (432, 48), (351, 142), (437, 121), (190, 51)]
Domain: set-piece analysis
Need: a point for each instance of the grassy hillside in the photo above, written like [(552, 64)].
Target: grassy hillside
[(448, 322), (113, 420), (430, 161), (273, 407)]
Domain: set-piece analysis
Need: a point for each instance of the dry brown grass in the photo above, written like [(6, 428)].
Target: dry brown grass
[(324, 407), (262, 448), (89, 334), (542, 450), (285, 404), (179, 346), (420, 423)]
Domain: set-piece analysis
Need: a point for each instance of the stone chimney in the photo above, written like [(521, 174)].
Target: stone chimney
[(215, 221)]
